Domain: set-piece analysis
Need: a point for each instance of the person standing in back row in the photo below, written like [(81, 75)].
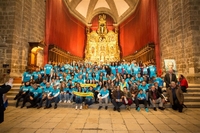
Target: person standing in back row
[(4, 89), (169, 77), (48, 71)]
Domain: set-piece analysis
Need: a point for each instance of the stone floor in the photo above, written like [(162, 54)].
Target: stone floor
[(62, 120)]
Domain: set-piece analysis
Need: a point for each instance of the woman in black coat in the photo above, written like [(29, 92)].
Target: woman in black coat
[(4, 89)]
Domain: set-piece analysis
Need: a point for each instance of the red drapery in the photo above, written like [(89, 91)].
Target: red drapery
[(140, 29), (63, 30)]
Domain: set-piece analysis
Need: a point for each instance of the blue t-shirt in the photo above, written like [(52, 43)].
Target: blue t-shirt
[(35, 75), (103, 92), (152, 71), (159, 81), (140, 79), (25, 88), (128, 70), (89, 91), (42, 73), (144, 88), (113, 70), (48, 68), (26, 77), (56, 69), (145, 71), (54, 92), (119, 69), (141, 96), (47, 90), (67, 90), (136, 70), (36, 92), (42, 85)]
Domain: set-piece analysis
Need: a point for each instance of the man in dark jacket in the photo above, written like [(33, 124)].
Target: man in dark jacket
[(4, 89), (155, 97), (117, 98), (169, 77), (175, 96)]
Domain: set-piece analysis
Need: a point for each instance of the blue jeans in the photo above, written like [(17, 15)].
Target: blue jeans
[(49, 101), (63, 96), (69, 96), (88, 101), (78, 100)]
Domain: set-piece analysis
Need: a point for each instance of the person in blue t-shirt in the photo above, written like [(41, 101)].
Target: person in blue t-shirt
[(48, 69), (35, 94), (97, 90), (43, 84), (145, 87), (159, 81), (35, 74), (135, 70), (24, 90), (78, 99), (141, 99), (41, 69), (27, 76), (152, 71), (144, 70), (63, 91), (53, 96), (139, 78), (88, 99), (103, 97), (46, 90)]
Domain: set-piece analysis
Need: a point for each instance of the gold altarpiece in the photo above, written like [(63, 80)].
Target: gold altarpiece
[(102, 45)]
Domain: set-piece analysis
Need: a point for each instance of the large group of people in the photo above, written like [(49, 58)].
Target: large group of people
[(84, 83)]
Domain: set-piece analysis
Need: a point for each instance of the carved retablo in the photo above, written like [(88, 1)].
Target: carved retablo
[(102, 46)]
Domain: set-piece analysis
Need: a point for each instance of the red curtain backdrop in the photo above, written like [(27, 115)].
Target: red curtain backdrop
[(109, 22), (140, 29), (63, 30)]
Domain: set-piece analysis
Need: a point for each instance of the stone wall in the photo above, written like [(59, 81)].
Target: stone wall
[(179, 30), (21, 21)]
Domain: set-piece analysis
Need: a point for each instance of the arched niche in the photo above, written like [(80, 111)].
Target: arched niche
[(36, 55)]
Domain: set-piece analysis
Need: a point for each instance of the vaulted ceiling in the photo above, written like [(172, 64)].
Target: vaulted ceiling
[(85, 10)]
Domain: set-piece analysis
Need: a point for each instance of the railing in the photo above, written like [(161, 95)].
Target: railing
[(146, 54), (57, 54)]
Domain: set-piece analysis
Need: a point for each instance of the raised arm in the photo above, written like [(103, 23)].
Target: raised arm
[(6, 87)]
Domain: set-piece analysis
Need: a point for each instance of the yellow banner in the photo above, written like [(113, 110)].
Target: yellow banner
[(88, 85), (82, 94)]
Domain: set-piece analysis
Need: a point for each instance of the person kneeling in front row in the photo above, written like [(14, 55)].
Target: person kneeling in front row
[(155, 97), (103, 97), (53, 96), (141, 99), (117, 98)]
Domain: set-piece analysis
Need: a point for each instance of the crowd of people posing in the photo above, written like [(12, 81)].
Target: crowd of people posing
[(85, 84)]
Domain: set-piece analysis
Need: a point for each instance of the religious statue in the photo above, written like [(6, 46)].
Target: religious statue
[(102, 25)]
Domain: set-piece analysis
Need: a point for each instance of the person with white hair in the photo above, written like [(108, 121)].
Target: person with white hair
[(175, 96)]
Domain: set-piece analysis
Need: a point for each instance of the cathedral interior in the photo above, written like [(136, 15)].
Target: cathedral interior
[(161, 34)]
